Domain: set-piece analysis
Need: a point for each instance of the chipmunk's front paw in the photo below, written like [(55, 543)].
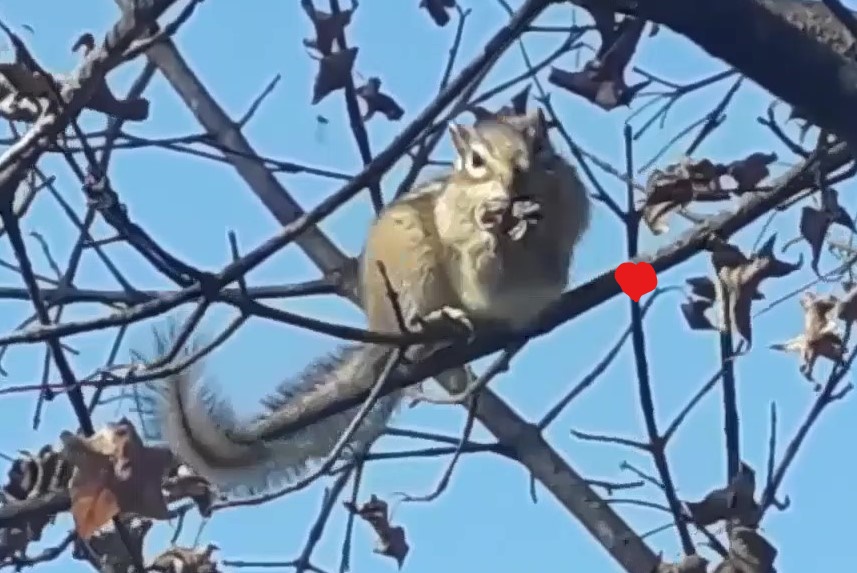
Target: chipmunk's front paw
[(491, 213), (448, 316)]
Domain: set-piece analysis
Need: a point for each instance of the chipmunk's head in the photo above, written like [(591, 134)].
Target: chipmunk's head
[(499, 149), (496, 160)]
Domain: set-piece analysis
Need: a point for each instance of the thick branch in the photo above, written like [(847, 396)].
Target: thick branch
[(756, 37)]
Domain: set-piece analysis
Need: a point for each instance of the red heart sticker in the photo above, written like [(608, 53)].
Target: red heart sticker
[(635, 280)]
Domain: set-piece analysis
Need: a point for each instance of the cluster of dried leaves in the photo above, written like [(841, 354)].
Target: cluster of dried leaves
[(673, 189), (723, 302), (336, 64), (735, 506), (602, 79), (31, 476), (114, 474), (391, 541), (827, 321), (27, 90), (733, 289), (108, 552), (109, 474)]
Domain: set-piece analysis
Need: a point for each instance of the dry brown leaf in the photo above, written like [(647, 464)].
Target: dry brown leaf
[(25, 94), (31, 476), (698, 307), (821, 336), (334, 73), (377, 101), (114, 472), (438, 10), (702, 287), (814, 222), (602, 80), (391, 538), (750, 171), (735, 502), (676, 187), (327, 27), (749, 552), (186, 560), (688, 181), (697, 313), (739, 279), (106, 549), (846, 308), (35, 475)]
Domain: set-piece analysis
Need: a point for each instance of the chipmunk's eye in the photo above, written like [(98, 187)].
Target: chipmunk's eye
[(476, 160)]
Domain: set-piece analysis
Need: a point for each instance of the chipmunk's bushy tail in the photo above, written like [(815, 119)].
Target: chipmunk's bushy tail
[(199, 427)]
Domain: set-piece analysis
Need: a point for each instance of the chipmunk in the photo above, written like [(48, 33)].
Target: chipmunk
[(447, 254)]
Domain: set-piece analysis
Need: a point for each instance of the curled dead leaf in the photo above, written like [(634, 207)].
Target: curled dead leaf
[(31, 476), (106, 550), (34, 475), (738, 281), (734, 503), (815, 222), (749, 172), (696, 314), (25, 94), (327, 26), (602, 80), (702, 287), (676, 187), (688, 181), (438, 10), (114, 473), (377, 101), (391, 538), (749, 552), (846, 308), (334, 73), (821, 336), (186, 560), (698, 307)]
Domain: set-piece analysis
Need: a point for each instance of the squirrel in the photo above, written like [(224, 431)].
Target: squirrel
[(447, 254)]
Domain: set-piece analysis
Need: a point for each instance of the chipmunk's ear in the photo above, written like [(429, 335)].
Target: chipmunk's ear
[(532, 123), (536, 123), (461, 136), (535, 126)]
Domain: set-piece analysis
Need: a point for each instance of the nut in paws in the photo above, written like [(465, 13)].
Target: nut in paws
[(524, 214)]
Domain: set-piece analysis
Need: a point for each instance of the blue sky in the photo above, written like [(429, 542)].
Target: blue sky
[(486, 520)]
